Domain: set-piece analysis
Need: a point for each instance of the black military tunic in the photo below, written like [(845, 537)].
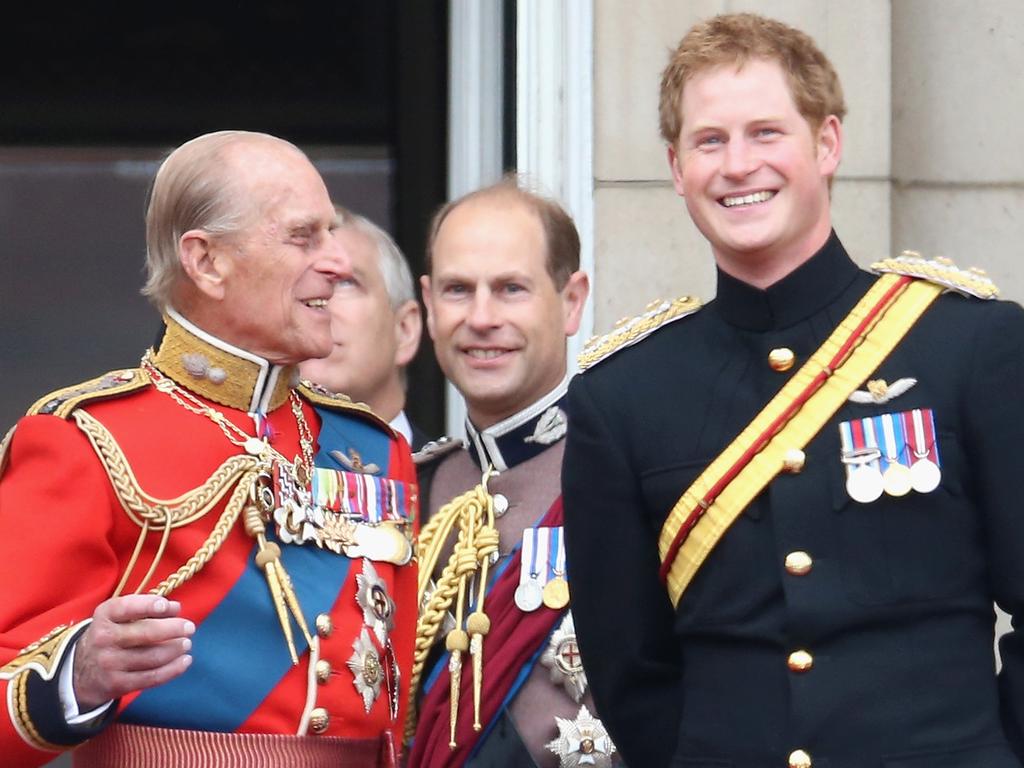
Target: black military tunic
[(820, 631)]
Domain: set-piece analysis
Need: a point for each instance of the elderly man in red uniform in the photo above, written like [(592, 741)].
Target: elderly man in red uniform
[(205, 562)]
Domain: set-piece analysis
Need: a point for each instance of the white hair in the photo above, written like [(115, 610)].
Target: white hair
[(194, 188)]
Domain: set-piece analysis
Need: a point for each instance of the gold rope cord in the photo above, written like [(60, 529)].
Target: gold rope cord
[(213, 541), (245, 473), (151, 513), (477, 539), (141, 506), (143, 532)]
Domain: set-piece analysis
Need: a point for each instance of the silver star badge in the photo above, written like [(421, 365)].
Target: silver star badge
[(582, 741), (368, 674), (372, 596), (562, 657)]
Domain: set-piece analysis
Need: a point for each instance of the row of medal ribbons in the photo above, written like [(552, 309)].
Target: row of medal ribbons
[(542, 570), (892, 453), (358, 495)]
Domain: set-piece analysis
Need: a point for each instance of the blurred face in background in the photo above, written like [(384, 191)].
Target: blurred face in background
[(371, 339)]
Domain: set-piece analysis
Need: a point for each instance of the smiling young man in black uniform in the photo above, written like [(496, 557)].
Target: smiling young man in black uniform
[(788, 514)]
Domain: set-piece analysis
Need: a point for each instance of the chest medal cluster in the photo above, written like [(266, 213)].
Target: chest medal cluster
[(349, 513), (542, 570), (891, 453)]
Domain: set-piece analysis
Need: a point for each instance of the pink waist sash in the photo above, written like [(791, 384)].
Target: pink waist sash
[(128, 746)]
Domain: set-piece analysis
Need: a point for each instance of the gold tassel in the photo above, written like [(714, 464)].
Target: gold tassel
[(282, 591), (473, 514), (456, 643), (478, 623), (267, 559), (293, 604)]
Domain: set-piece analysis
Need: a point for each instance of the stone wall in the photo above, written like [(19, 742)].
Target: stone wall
[(931, 162)]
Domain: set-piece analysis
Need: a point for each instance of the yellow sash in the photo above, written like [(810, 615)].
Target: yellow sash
[(855, 349)]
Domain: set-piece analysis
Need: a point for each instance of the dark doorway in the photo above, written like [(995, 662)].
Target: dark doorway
[(91, 100)]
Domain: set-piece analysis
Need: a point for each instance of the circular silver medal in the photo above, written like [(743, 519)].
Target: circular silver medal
[(925, 475), (864, 484), (529, 596), (896, 480)]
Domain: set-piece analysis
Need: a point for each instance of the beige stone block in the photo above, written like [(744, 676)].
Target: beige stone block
[(860, 216), (857, 42), (975, 227), (957, 101), (645, 248), (631, 46), (856, 39), (632, 42)]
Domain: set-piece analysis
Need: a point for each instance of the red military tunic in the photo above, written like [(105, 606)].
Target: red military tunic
[(77, 481)]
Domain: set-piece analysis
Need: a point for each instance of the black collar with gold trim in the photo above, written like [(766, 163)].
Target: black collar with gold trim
[(522, 435), (218, 371)]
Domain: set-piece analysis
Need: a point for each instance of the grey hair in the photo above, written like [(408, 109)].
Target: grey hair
[(393, 265), (193, 189)]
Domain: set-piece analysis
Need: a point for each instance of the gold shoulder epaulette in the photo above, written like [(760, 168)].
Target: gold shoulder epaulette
[(972, 281), (631, 330), (319, 395), (436, 449), (62, 402)]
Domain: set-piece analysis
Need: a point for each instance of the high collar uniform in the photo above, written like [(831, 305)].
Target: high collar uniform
[(850, 634), (526, 450), (69, 537)]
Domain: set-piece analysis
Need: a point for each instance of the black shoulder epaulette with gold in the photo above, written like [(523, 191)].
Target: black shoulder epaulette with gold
[(941, 271), (631, 330), (436, 450), (322, 397), (64, 401)]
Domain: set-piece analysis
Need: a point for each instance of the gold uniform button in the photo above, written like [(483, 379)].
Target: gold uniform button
[(800, 661), (781, 359), (319, 720), (799, 759), (324, 625), (793, 460), (798, 563), (323, 671)]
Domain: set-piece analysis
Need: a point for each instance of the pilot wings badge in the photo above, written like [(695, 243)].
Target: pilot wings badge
[(880, 392)]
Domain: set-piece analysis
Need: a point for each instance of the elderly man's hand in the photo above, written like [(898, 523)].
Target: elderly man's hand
[(134, 642)]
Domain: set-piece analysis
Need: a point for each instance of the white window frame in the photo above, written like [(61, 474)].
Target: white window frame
[(554, 118)]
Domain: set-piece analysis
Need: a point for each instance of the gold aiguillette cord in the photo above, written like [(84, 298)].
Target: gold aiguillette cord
[(478, 623), (269, 560), (480, 542), (457, 641)]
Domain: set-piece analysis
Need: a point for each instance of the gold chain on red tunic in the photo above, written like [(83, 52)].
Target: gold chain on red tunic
[(235, 434), (259, 509)]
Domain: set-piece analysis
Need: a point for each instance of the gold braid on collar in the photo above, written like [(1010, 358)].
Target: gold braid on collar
[(212, 372)]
